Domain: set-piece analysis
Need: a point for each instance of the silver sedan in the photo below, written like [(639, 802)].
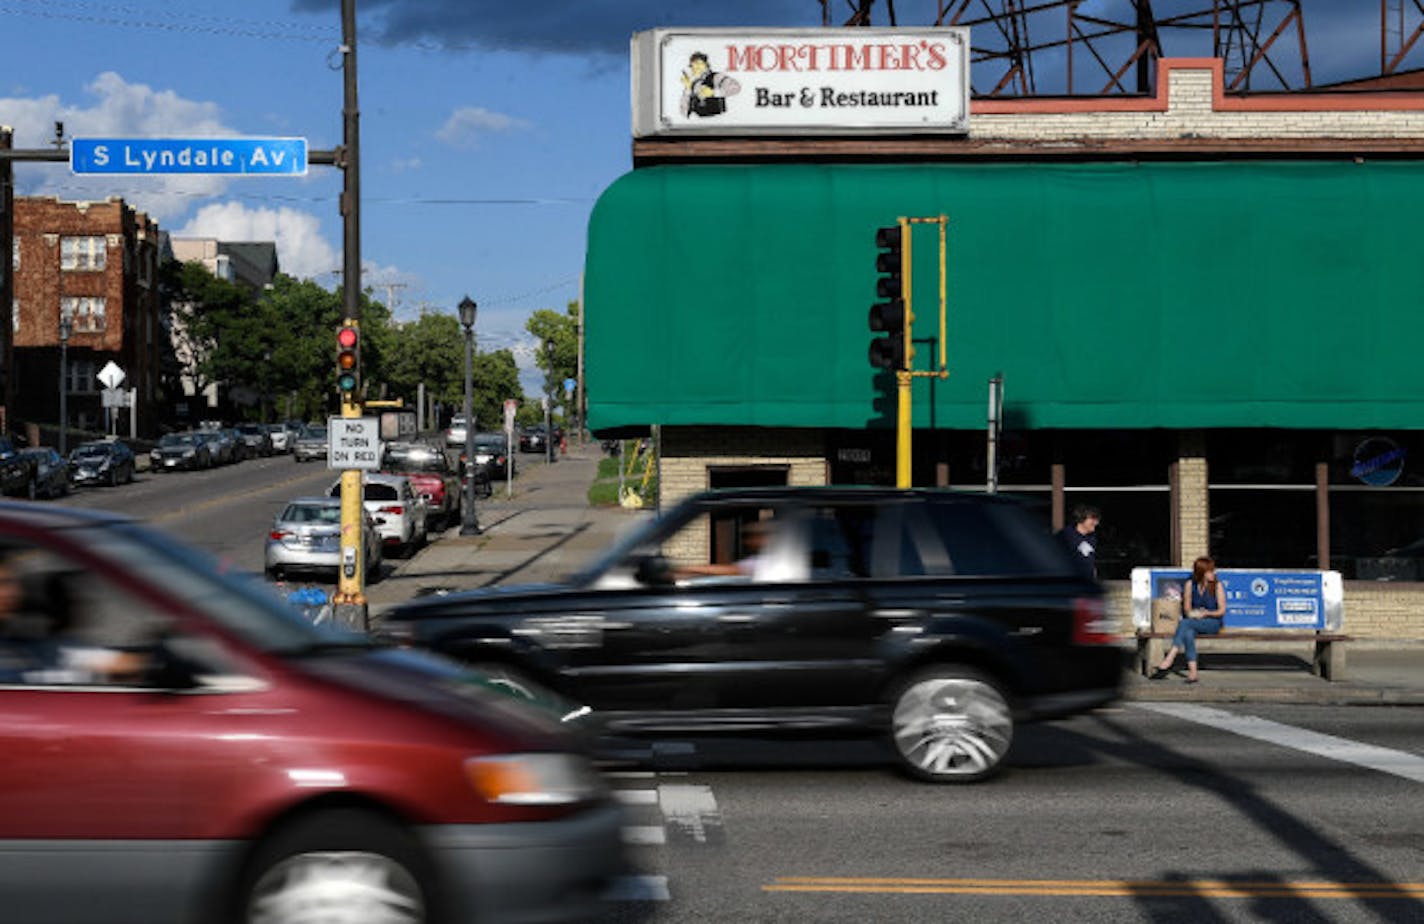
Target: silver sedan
[(306, 537)]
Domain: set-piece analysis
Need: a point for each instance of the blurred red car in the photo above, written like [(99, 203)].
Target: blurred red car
[(181, 746)]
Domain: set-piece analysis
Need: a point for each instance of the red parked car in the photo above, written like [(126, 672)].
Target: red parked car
[(181, 746), (432, 476)]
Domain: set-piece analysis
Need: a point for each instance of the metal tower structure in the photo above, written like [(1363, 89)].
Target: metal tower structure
[(1044, 47), (1397, 17)]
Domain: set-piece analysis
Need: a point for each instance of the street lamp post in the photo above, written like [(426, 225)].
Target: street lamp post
[(65, 326), (469, 522), (549, 405)]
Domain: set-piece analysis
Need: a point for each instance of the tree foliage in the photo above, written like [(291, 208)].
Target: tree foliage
[(557, 352)]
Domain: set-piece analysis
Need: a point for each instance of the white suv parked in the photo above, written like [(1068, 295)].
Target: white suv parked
[(399, 512)]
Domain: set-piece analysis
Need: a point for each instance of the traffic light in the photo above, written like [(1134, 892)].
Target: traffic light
[(890, 317), (348, 360)]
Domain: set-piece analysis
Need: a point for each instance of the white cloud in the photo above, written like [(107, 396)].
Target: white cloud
[(468, 124), (119, 109), (301, 249)]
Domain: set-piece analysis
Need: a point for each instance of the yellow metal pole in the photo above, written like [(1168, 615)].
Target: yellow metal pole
[(943, 298), (350, 576), (903, 378)]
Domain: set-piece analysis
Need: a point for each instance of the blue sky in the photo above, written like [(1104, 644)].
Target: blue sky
[(488, 127)]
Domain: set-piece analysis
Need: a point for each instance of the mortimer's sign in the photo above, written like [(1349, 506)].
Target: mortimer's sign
[(800, 81), (228, 156)]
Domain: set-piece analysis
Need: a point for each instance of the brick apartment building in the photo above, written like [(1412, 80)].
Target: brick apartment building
[(95, 263)]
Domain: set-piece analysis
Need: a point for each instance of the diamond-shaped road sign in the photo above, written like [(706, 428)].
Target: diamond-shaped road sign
[(111, 375)]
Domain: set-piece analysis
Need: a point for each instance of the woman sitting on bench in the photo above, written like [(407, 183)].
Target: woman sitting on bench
[(1204, 605)]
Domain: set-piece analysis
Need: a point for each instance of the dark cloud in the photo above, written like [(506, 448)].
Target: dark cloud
[(1342, 35), (577, 27)]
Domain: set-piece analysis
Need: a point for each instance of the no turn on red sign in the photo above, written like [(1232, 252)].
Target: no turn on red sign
[(353, 442)]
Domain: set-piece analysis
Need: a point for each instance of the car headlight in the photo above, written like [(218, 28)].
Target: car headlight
[(533, 779), (189, 452)]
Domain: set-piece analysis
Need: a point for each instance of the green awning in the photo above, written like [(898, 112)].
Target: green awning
[(1181, 295)]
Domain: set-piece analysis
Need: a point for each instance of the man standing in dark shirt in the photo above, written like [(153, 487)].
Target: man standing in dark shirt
[(1082, 538)]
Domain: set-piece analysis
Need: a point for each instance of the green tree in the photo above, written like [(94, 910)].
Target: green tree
[(560, 362)]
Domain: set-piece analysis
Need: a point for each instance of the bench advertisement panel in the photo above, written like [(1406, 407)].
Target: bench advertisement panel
[(1255, 599)]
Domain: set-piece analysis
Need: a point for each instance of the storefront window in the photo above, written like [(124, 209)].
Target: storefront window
[(1262, 528)]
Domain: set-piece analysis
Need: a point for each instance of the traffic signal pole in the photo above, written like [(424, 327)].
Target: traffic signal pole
[(349, 603), (895, 319)]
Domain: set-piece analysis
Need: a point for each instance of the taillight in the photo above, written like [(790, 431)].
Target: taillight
[(277, 535), (1091, 624), (398, 510)]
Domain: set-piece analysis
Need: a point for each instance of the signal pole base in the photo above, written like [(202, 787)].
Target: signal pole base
[(351, 615)]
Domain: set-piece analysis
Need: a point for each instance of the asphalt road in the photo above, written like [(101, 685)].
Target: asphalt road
[(1145, 812), (1125, 815)]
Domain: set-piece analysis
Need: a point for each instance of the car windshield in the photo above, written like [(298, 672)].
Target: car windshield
[(178, 440), (314, 433), (251, 429), (416, 459), (91, 452), (486, 443), (312, 513)]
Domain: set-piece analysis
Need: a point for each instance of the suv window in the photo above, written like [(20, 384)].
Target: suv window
[(993, 539), (379, 492)]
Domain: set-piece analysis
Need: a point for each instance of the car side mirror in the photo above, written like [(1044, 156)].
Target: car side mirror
[(654, 571)]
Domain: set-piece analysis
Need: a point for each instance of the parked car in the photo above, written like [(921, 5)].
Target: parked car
[(938, 619), (225, 759), (398, 511), (492, 456), (455, 434), (280, 436), (533, 439), (433, 477), (17, 472), (306, 538), (310, 444), (109, 462), (222, 448), (240, 450), (51, 471), (188, 450), (256, 438)]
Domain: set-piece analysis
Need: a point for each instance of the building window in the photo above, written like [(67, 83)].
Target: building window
[(15, 252), (83, 253), (15, 315), (86, 312), (81, 377)]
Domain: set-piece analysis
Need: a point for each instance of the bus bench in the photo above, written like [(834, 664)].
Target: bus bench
[(1327, 649)]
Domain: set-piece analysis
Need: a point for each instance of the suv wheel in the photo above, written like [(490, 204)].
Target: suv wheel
[(950, 725), (342, 866)]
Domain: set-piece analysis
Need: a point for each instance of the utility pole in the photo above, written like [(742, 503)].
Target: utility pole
[(349, 603), (578, 401)]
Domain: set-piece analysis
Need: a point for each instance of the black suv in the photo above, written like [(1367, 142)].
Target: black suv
[(18, 473), (939, 618)]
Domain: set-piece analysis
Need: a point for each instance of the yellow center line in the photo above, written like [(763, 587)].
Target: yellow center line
[(223, 499), (1208, 888)]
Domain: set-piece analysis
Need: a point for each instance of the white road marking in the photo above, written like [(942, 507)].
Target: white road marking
[(1385, 760), (644, 834), (637, 796), (638, 889), (691, 812)]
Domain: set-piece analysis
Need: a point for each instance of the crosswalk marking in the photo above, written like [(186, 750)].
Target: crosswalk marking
[(1385, 760), (644, 835)]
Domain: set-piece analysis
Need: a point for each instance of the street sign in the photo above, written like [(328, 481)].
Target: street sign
[(111, 375), (510, 406), (570, 385), (115, 397), (353, 442), (227, 156)]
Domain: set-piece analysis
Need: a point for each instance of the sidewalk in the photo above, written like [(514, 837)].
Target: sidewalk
[(547, 529)]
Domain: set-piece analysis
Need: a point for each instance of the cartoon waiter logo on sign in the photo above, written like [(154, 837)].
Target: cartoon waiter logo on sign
[(704, 91)]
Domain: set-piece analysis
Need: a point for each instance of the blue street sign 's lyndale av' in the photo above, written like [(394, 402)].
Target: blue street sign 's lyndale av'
[(227, 156)]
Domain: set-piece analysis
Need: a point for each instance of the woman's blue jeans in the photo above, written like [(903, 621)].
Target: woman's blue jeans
[(1188, 630)]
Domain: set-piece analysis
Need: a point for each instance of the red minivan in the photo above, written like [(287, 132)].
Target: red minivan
[(178, 745)]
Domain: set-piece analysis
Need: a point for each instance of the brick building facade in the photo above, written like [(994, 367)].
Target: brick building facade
[(95, 263)]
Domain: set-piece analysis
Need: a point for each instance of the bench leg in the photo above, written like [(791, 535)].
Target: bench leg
[(1329, 660), (1150, 652)]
